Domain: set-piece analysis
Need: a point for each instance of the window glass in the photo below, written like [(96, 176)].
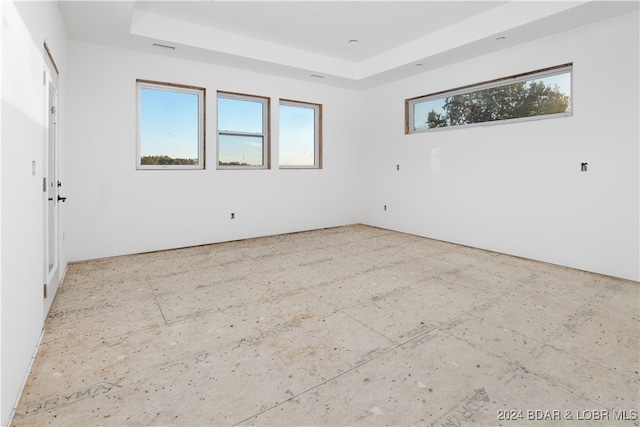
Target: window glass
[(532, 95), (170, 126), (242, 131), (240, 150), (240, 115), (299, 144)]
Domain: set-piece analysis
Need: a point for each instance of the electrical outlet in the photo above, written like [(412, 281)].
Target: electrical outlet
[(385, 207), (583, 167), (233, 215), (397, 167)]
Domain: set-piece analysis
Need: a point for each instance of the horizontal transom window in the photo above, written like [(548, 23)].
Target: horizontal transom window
[(539, 94)]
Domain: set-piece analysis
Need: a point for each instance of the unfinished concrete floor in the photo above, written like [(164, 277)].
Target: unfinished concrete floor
[(345, 326)]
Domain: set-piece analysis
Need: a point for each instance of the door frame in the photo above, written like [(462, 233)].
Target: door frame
[(50, 183)]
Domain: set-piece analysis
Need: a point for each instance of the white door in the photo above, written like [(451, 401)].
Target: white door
[(50, 187)]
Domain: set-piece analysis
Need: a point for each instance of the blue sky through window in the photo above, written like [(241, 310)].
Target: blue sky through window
[(168, 123), (297, 135), (239, 115), (240, 149), (169, 127), (243, 116)]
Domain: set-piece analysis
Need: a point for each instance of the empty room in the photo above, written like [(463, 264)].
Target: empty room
[(320, 213)]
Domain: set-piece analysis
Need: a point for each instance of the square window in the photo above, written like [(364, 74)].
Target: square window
[(170, 126), (243, 137), (300, 135)]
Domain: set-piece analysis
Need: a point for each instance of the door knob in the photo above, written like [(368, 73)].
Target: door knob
[(62, 199)]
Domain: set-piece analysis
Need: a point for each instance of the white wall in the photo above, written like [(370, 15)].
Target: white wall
[(517, 188), (25, 28), (115, 209)]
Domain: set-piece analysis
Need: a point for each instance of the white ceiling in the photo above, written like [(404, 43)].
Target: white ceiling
[(299, 39)]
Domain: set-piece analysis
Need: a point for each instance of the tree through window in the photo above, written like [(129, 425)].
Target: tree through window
[(526, 96)]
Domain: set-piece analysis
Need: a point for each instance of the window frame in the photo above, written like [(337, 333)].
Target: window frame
[(476, 87), (317, 138), (266, 130), (179, 88)]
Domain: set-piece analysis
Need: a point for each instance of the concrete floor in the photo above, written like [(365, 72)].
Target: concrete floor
[(345, 326)]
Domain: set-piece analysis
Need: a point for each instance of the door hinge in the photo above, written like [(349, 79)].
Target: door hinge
[(53, 109), (44, 185), (45, 291)]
